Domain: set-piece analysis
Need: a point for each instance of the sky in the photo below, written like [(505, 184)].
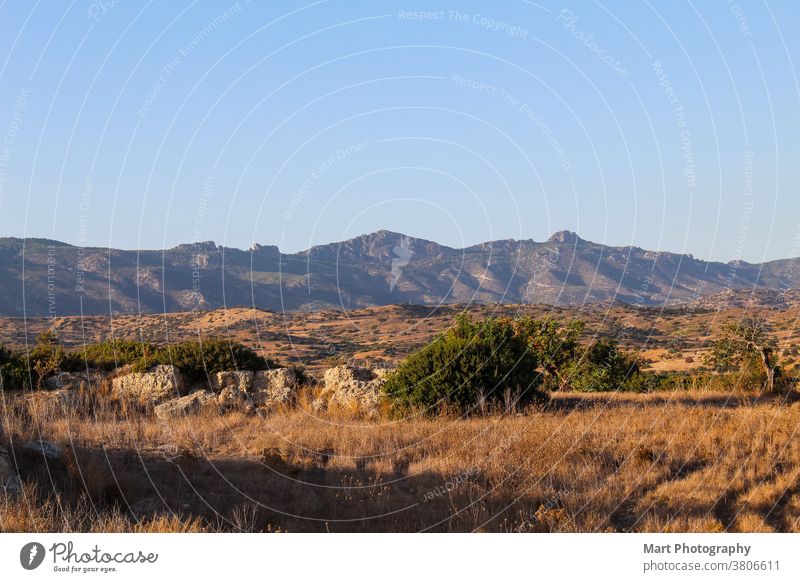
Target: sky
[(668, 125)]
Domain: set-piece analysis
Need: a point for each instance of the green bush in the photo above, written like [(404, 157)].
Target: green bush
[(109, 355), (14, 373), (603, 367), (474, 365), (556, 347), (199, 359), (195, 359)]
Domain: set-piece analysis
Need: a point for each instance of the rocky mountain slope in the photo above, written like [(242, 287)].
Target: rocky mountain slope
[(48, 278)]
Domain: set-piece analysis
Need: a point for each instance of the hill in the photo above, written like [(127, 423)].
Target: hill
[(48, 278), (672, 338)]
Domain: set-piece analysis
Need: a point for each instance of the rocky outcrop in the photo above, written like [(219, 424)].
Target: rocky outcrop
[(73, 380), (351, 387), (185, 405), (158, 385), (244, 390), (564, 236), (273, 388), (232, 398), (240, 381)]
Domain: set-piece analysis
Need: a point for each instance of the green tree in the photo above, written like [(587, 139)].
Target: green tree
[(555, 346)]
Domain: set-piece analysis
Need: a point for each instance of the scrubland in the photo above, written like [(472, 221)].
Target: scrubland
[(689, 461)]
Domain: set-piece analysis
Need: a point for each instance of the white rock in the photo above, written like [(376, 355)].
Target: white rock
[(191, 404), (231, 397), (241, 381), (274, 387), (162, 383), (352, 386)]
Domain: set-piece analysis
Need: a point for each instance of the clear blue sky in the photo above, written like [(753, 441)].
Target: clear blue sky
[(667, 125)]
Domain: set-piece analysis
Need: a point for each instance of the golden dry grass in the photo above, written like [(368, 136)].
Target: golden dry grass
[(688, 461)]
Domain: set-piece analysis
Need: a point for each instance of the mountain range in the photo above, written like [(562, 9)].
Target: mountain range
[(40, 277)]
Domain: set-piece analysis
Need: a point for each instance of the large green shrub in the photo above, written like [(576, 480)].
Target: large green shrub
[(473, 366)]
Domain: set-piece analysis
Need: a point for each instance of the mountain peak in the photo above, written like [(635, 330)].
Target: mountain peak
[(197, 246), (564, 236), (382, 234), (259, 249)]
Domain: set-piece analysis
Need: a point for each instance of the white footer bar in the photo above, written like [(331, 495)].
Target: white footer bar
[(354, 557)]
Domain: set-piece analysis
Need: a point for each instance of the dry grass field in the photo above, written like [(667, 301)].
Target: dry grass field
[(689, 460), (694, 461)]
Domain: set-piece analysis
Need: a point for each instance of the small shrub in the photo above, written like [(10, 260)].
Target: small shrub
[(46, 358)]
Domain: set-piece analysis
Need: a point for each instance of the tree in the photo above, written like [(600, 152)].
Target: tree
[(555, 346), (568, 365), (746, 343)]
